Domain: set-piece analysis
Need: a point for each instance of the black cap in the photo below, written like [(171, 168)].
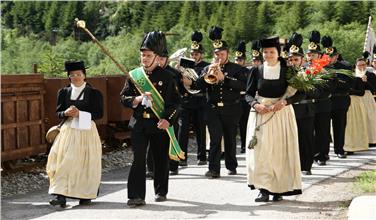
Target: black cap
[(314, 45), (196, 39), (256, 54), (295, 45), (72, 65), (215, 34), (271, 42), (240, 51), (156, 42), (327, 43)]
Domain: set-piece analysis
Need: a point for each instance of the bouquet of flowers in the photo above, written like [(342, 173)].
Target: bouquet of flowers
[(306, 79)]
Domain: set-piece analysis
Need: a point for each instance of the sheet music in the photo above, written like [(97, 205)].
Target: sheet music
[(82, 122)]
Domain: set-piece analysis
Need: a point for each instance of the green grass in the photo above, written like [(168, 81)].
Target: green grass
[(367, 181)]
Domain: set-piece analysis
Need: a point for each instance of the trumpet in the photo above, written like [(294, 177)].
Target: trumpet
[(211, 77)]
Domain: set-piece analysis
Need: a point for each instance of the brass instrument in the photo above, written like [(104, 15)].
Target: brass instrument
[(185, 66), (211, 77)]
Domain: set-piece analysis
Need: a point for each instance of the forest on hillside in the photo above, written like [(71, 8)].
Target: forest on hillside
[(42, 32)]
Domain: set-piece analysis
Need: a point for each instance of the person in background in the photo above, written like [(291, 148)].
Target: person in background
[(74, 163), (240, 59)]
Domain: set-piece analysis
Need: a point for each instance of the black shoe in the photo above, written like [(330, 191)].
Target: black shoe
[(201, 162), (174, 172), (321, 162), (59, 200), (85, 201), (341, 156), (135, 202), (183, 163), (232, 172), (277, 198), (149, 175), (307, 172), (160, 198), (262, 197), (212, 174), (242, 150), (349, 153)]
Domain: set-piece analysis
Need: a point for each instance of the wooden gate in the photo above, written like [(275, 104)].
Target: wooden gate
[(22, 116)]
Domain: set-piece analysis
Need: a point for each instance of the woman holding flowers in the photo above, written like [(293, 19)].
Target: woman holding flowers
[(273, 162)]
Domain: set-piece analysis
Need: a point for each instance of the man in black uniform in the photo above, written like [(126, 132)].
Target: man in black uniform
[(256, 54), (340, 97), (223, 81), (240, 59), (193, 107), (304, 109), (147, 128), (322, 105)]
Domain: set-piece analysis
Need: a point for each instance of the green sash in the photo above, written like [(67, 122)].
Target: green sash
[(143, 85)]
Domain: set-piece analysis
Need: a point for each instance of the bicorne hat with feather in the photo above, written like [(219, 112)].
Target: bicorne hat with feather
[(215, 34), (196, 39)]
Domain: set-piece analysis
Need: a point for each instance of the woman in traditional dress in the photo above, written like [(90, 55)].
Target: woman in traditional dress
[(274, 164), (74, 162), (368, 79)]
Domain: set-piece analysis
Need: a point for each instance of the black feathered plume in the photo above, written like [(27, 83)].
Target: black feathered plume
[(327, 41), (365, 54), (314, 36), (215, 33), (296, 39), (241, 46), (196, 36), (256, 45)]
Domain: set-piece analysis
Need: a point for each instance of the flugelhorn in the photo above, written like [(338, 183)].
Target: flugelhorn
[(211, 77)]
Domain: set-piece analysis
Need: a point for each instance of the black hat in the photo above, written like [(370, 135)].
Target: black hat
[(196, 39), (72, 65), (327, 43), (314, 45), (215, 34), (240, 51), (270, 42), (256, 54), (156, 42), (295, 43)]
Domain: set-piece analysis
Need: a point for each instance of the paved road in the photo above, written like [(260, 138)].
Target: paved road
[(190, 196)]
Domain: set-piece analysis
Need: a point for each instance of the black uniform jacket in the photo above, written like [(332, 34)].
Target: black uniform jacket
[(224, 94), (268, 88), (371, 82), (165, 85), (340, 96), (92, 101), (358, 87)]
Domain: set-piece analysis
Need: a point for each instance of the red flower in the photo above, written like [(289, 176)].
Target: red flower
[(308, 71)]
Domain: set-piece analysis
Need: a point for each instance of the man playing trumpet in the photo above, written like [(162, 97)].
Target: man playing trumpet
[(223, 82)]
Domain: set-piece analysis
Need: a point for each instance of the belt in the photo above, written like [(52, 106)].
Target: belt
[(222, 104), (148, 115), (340, 94), (306, 101)]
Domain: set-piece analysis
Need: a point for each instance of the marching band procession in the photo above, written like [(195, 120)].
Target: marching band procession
[(287, 107)]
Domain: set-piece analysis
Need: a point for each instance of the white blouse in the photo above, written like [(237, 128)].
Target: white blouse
[(76, 91), (272, 72)]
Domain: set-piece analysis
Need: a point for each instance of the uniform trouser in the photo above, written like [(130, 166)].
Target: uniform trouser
[(339, 120), (322, 136), (243, 123), (159, 146), (222, 125), (306, 142), (197, 116)]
